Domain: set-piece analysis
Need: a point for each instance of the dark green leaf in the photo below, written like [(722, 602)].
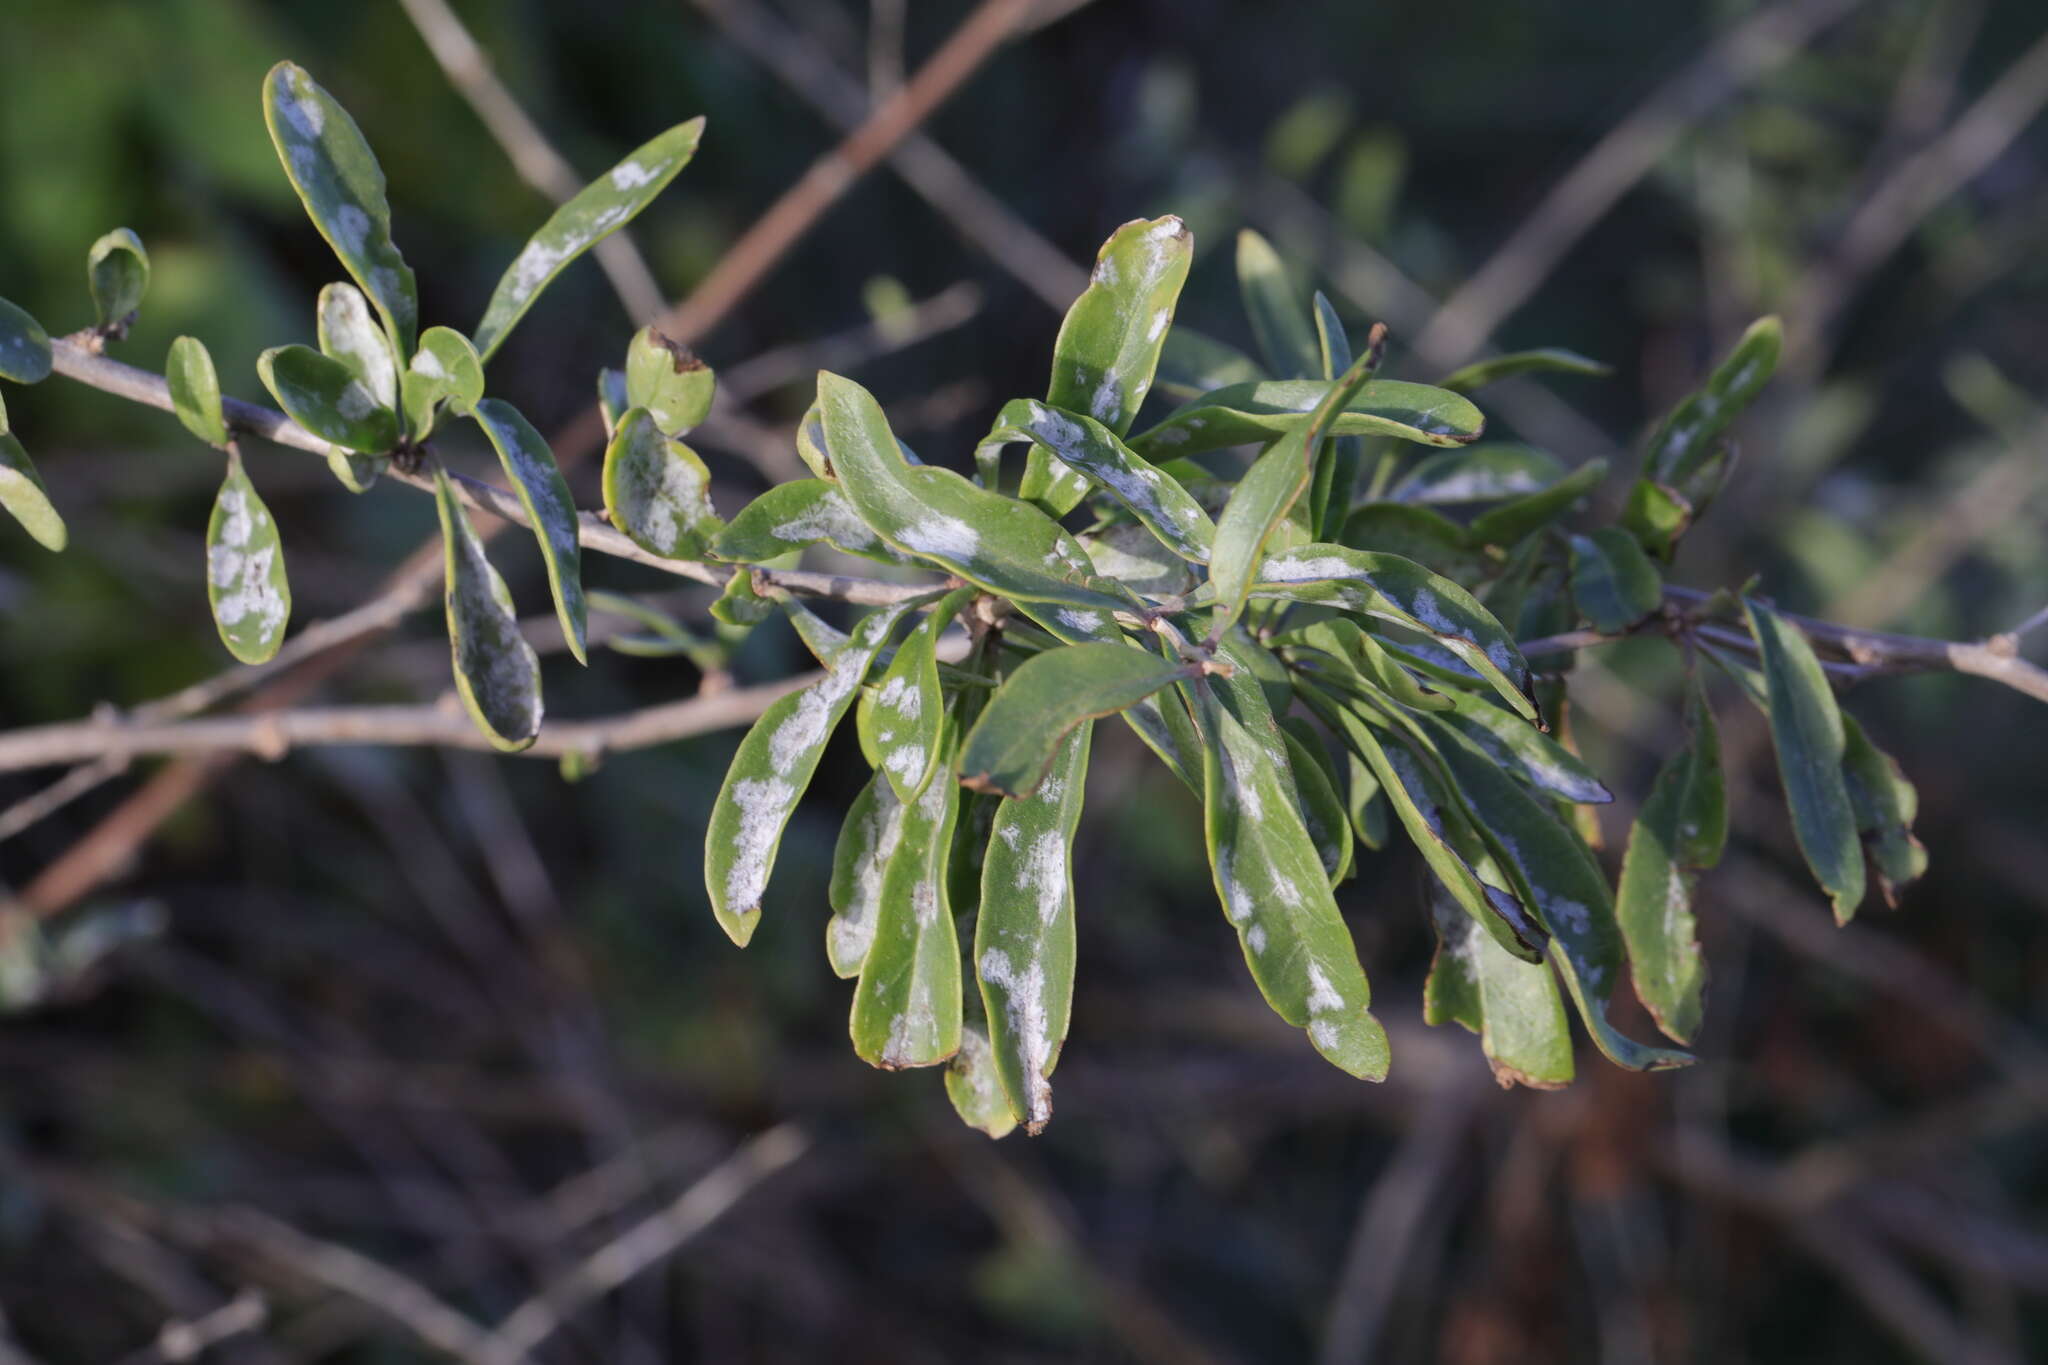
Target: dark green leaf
[(657, 490), (497, 674), (1254, 414), (1547, 361), (544, 493), (1279, 322), (1322, 812), (338, 180), (1011, 746), (1694, 428), (1613, 581), (1806, 731), (1422, 534), (117, 271), (611, 399), (195, 390), (601, 208), (1886, 805), (1509, 522), (24, 346), (1512, 1005), (324, 396)]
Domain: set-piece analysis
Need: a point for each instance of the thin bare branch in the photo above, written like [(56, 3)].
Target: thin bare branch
[(528, 149)]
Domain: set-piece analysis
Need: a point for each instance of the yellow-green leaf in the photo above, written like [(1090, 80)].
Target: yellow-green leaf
[(26, 500), (195, 390), (666, 378)]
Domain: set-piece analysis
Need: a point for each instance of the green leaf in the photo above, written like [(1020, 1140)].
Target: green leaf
[(1613, 581), (1480, 473), (906, 1007), (1012, 744), (26, 500), (1249, 414), (657, 490), (544, 493), (867, 840), (1024, 931), (739, 605), (1005, 546), (1690, 434), (1557, 877), (903, 726), (1351, 650), (1390, 588), (1322, 813), (1679, 834), (357, 473), (601, 208), (1162, 720), (1512, 1005), (774, 764), (793, 515), (1191, 364), (445, 369), (974, 1086), (117, 271), (1509, 522), (24, 346), (1806, 731), (350, 334), (1524, 752), (1278, 320), (195, 390), (1422, 534), (497, 674), (1271, 487), (611, 399), (666, 637), (666, 378), (324, 396), (1271, 881), (339, 181), (1549, 360), (1336, 477), (1136, 558), (1657, 515), (1886, 805), (245, 579), (1091, 450)]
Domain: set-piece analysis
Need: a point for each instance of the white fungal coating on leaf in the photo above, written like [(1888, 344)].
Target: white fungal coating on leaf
[(240, 576), (947, 537), (763, 805), (631, 175), (1024, 1002), (426, 363), (830, 518), (1322, 996)]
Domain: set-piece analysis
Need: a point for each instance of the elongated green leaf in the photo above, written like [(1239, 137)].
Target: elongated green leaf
[(1135, 557), (906, 720), (1322, 812), (245, 578), (1024, 931), (1613, 581), (195, 390), (1524, 752), (1271, 880), (544, 493), (768, 775), (1549, 360), (1509, 522), (1679, 834), (1557, 877), (1479, 473), (906, 1007), (24, 346), (657, 489), (497, 674), (793, 515), (1390, 588), (1346, 643), (601, 208), (26, 500), (348, 332), (324, 396), (1422, 534), (874, 826), (1011, 746), (1336, 478), (668, 379), (1279, 322), (1657, 515), (1006, 546), (1161, 720), (1690, 434), (1886, 805), (117, 271), (1247, 414), (975, 1087), (1091, 450), (444, 370), (339, 181), (1271, 487), (1806, 731), (1191, 364), (1512, 1005)]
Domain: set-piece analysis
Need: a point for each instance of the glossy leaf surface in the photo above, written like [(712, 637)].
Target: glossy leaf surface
[(497, 674), (324, 396), (117, 272), (1807, 733), (195, 390), (544, 493), (245, 576), (657, 490), (1012, 744)]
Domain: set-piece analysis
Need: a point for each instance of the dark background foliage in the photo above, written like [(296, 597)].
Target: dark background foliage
[(405, 1002)]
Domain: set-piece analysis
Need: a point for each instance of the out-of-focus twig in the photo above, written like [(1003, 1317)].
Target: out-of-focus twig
[(1629, 151), (527, 148), (181, 1341), (810, 72)]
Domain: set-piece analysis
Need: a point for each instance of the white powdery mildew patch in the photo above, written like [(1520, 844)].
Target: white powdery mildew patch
[(853, 929), (355, 402), (428, 364), (1158, 327), (302, 108), (352, 226), (1081, 622), (831, 518), (243, 576), (913, 1033), (631, 175), (942, 535), (1045, 873), (1255, 939), (1474, 485), (1322, 996), (500, 664), (906, 762), (535, 265), (1109, 396), (672, 501), (1105, 270), (1678, 923), (1237, 902), (305, 163), (1024, 1006), (1324, 1033), (1298, 569), (763, 805), (1062, 433), (901, 695), (1284, 889)]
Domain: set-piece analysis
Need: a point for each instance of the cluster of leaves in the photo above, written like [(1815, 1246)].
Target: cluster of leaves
[(1322, 646)]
